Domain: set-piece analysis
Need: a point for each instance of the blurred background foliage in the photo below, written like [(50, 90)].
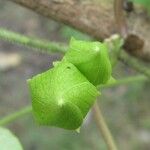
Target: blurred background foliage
[(144, 3), (126, 107)]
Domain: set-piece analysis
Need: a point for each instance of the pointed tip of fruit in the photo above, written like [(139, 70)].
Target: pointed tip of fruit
[(28, 80), (78, 130), (55, 63), (111, 80)]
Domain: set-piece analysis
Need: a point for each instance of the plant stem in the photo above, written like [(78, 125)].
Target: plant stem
[(127, 80), (41, 45), (50, 47), (100, 121), (134, 63), (103, 128), (15, 115), (28, 109), (120, 18)]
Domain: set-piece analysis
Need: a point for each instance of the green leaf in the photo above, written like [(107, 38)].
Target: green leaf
[(61, 96), (92, 60), (8, 141)]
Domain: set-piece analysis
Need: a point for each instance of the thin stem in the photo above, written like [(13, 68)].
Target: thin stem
[(24, 111), (135, 64), (28, 109), (41, 45), (120, 17), (100, 121), (127, 80), (50, 47)]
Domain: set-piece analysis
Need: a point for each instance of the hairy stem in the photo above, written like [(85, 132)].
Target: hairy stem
[(100, 121), (28, 109), (10, 118), (41, 45), (51, 47), (127, 80), (135, 64)]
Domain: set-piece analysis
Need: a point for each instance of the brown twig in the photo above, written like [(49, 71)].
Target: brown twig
[(120, 18), (91, 18)]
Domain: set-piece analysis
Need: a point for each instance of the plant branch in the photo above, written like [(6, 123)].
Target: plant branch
[(84, 16), (120, 17), (100, 121), (135, 64), (24, 111), (92, 18), (51, 47), (127, 80), (38, 44)]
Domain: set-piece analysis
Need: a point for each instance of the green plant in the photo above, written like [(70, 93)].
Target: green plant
[(71, 86), (62, 96)]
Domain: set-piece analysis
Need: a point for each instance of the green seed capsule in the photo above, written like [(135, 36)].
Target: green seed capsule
[(92, 60), (61, 96)]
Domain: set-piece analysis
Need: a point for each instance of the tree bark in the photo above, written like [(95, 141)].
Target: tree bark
[(95, 19)]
